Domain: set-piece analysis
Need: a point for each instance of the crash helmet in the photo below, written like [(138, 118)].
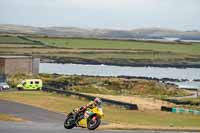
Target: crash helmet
[(98, 101)]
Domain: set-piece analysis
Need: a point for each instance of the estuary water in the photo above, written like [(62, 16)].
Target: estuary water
[(189, 74)]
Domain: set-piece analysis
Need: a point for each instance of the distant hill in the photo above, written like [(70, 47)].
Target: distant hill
[(147, 33)]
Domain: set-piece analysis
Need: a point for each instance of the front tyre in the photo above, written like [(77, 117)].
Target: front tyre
[(93, 123), (69, 122)]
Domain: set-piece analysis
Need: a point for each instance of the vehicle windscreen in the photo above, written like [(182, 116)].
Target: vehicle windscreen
[(3, 84)]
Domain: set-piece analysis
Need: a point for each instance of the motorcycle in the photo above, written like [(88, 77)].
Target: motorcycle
[(90, 119)]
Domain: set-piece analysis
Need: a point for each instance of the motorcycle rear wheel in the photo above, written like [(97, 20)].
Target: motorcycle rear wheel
[(69, 122)]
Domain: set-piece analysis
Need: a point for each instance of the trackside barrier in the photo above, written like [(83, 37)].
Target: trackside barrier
[(181, 102), (168, 109), (128, 106), (180, 110)]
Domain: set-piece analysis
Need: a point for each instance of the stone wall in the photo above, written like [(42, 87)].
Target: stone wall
[(2, 66), (36, 64), (19, 65), (14, 65)]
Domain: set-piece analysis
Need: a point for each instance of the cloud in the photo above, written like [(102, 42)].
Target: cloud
[(92, 4), (107, 4), (178, 14)]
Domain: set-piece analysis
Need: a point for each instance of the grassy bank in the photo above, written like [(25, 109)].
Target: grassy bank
[(6, 117), (148, 94), (105, 85), (192, 100), (134, 119), (193, 103)]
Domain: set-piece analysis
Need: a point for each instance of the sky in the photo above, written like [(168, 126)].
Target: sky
[(103, 14)]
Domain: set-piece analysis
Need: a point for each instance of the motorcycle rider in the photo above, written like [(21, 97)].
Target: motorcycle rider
[(92, 104)]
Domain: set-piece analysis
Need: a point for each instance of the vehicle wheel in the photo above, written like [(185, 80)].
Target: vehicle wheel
[(69, 122), (19, 89), (93, 124)]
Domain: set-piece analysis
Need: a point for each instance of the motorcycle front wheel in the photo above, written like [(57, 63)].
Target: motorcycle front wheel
[(93, 124), (69, 122)]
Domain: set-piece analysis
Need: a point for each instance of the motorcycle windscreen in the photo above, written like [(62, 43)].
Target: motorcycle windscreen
[(100, 111)]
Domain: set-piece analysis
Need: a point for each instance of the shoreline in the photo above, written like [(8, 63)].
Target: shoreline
[(135, 63), (126, 76)]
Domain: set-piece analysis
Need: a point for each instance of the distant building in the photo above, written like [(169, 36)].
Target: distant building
[(10, 65)]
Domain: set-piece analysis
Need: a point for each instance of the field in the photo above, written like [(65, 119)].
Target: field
[(192, 49), (96, 51), (14, 40), (126, 119)]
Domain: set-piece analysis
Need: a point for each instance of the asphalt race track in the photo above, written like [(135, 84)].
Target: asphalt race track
[(30, 113), (43, 121)]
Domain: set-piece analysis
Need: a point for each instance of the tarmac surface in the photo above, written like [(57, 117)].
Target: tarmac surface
[(30, 113), (43, 121)]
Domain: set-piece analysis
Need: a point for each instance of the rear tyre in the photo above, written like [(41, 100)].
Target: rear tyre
[(93, 124), (19, 89), (69, 122)]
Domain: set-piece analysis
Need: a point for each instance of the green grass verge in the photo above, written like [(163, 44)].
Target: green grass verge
[(6, 117), (63, 104)]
